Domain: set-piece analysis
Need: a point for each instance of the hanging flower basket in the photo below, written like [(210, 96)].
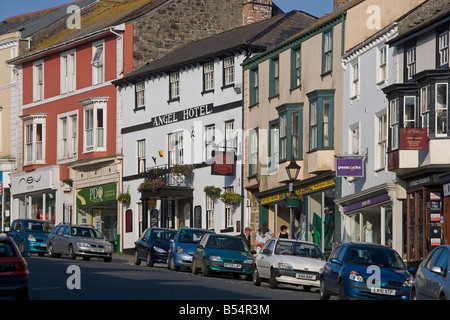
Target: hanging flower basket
[(151, 185), (184, 169), (212, 192), (292, 200), (230, 198), (124, 198)]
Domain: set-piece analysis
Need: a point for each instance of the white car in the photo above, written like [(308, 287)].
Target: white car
[(289, 261)]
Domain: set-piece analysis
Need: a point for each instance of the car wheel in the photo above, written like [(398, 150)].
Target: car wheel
[(323, 294), (50, 250), (413, 295), (172, 265), (107, 259), (71, 253), (22, 247), (273, 283), (137, 261), (205, 269), (149, 260), (193, 267), (23, 295), (341, 291), (256, 278), (307, 288), (86, 258)]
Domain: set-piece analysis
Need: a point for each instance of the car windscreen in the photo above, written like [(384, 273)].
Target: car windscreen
[(7, 250), (162, 235), (226, 243), (190, 236), (38, 226), (86, 232), (298, 249), (375, 256)]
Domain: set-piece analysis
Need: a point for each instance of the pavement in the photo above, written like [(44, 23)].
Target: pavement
[(122, 258)]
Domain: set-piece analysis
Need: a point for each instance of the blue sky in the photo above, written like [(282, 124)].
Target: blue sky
[(10, 8)]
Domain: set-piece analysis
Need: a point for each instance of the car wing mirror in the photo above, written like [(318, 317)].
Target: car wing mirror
[(26, 254), (438, 270), (266, 251), (200, 246), (335, 261), (253, 252)]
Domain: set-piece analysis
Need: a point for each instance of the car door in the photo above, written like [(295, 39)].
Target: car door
[(333, 269), (436, 279), (424, 288), (264, 259), (14, 231), (142, 243), (199, 252)]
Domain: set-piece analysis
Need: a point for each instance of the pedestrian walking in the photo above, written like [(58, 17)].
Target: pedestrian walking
[(246, 237)]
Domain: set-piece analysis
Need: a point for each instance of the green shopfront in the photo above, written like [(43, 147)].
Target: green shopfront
[(97, 206)]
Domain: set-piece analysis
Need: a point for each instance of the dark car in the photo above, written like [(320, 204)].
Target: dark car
[(153, 246), (432, 280), (182, 247), (31, 234), (14, 274), (220, 253), (365, 271)]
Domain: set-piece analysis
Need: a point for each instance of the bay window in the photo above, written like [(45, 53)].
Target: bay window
[(441, 109), (94, 123), (394, 123), (321, 132), (34, 138)]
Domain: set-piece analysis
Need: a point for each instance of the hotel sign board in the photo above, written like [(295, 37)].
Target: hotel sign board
[(413, 139)]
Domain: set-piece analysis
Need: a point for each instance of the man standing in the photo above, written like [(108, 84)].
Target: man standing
[(246, 237)]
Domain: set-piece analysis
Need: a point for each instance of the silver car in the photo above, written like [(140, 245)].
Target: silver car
[(431, 280), (78, 240)]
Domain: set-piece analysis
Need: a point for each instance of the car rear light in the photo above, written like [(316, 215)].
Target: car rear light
[(20, 268)]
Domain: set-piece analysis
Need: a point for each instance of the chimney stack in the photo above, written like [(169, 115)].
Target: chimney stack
[(337, 4), (255, 11)]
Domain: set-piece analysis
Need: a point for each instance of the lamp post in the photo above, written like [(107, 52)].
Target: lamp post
[(292, 170)]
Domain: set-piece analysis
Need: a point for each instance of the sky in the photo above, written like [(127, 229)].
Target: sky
[(11, 8)]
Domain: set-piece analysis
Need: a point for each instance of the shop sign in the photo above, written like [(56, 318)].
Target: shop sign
[(446, 190), (367, 203), (96, 194), (223, 164), (435, 235), (300, 191), (413, 139), (27, 182), (349, 167), (423, 181)]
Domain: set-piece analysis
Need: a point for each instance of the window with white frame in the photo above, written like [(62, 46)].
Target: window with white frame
[(228, 71), (443, 48), (140, 94), (68, 80), (98, 61), (230, 139), (34, 139), (327, 51), (425, 106), (94, 124), (274, 147), (409, 116), (208, 76), (228, 210), (67, 131), (176, 152), (381, 141), (441, 109), (38, 81), (141, 156), (209, 212), (283, 136), (313, 132), (253, 154), (355, 80), (209, 141), (394, 123), (411, 62), (174, 86), (382, 64), (354, 139)]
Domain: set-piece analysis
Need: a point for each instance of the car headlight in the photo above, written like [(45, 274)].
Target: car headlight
[(408, 282), (31, 238), (180, 250), (83, 244), (283, 265), (355, 276), (215, 258), (248, 261), (158, 249)]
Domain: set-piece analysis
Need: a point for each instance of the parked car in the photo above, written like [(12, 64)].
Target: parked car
[(153, 245), (78, 240), (432, 281), (14, 274), (365, 271), (222, 254), (182, 247), (289, 261), (31, 234)]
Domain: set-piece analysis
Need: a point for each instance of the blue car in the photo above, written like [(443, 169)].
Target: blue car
[(365, 271), (183, 246), (153, 246), (31, 235)]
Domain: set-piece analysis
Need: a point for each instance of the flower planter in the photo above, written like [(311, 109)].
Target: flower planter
[(292, 203)]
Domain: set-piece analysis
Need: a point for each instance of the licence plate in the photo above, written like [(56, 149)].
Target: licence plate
[(97, 250), (232, 265), (378, 290), (44, 245), (305, 276)]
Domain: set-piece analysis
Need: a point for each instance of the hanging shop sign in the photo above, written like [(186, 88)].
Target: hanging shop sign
[(350, 167), (96, 194), (223, 164), (446, 190), (413, 139)]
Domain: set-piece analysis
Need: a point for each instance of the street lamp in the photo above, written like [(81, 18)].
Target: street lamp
[(292, 170)]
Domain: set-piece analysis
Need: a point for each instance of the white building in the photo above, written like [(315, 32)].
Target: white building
[(371, 203), (186, 109)]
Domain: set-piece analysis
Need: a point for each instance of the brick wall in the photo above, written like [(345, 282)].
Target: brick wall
[(255, 11)]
